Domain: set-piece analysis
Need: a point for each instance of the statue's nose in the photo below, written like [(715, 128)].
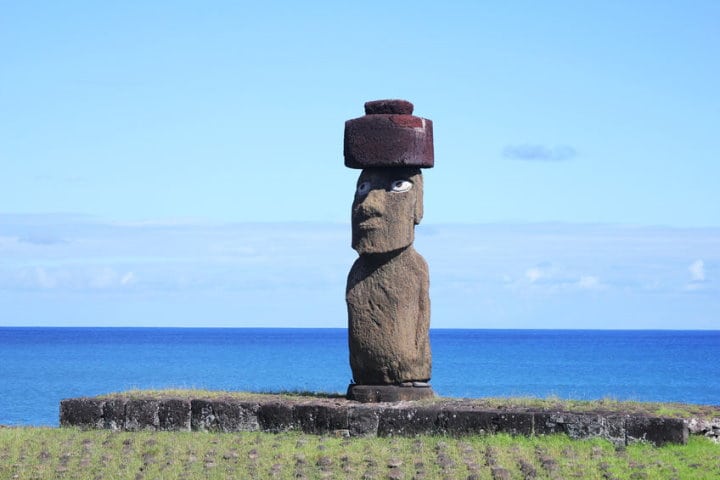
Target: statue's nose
[(373, 202)]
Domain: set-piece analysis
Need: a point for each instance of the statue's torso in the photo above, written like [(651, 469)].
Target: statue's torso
[(389, 319)]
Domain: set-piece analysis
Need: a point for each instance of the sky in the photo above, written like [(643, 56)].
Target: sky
[(180, 163)]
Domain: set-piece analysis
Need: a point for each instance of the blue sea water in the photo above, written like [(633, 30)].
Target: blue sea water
[(40, 366)]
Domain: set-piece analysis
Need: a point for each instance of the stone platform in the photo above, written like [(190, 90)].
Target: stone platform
[(389, 393), (338, 416)]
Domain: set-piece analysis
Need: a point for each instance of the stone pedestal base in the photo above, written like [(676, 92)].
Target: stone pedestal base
[(246, 412), (387, 393)]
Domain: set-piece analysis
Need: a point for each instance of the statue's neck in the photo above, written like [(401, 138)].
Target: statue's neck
[(384, 257)]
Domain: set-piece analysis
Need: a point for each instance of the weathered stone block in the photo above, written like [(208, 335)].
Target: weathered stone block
[(408, 421), (81, 412), (320, 419), (363, 420), (342, 417), (276, 417), (114, 414), (468, 421), (234, 416), (515, 423), (142, 414), (656, 430), (174, 414), (202, 416), (709, 428), (387, 393), (464, 420), (582, 425)]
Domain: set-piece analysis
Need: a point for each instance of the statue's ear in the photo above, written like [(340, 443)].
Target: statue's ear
[(418, 187)]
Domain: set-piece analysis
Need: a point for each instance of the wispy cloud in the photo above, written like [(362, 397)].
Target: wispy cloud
[(539, 153), (697, 271), (42, 239), (534, 274), (554, 279), (698, 280), (514, 275), (589, 282), (127, 279), (66, 278), (168, 256)]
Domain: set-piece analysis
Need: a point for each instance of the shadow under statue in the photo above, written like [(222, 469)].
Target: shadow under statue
[(387, 288)]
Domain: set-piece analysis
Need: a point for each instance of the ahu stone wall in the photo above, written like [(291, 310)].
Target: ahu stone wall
[(338, 416)]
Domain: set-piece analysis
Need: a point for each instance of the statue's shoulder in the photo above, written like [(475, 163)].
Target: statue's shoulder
[(358, 272), (358, 265), (411, 259)]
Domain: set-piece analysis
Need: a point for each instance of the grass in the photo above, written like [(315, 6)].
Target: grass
[(37, 453), (215, 394), (44, 453)]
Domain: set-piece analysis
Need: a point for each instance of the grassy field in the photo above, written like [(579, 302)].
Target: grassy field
[(49, 453)]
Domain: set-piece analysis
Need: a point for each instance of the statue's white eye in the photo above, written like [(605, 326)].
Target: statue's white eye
[(363, 188), (401, 186)]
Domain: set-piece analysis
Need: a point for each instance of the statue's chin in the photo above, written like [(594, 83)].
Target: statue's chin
[(366, 246)]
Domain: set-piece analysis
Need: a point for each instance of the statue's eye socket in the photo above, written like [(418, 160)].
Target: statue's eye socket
[(363, 188), (401, 185)]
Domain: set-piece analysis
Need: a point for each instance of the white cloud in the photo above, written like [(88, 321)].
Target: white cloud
[(44, 279), (489, 268), (588, 282), (7, 242), (65, 278), (555, 279), (697, 271), (539, 153), (697, 277), (103, 278), (41, 239), (534, 274)]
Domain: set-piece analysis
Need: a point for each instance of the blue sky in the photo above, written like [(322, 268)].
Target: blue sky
[(180, 163)]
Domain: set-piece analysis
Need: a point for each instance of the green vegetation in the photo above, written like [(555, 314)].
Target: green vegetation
[(42, 453), (679, 410), (214, 394), (35, 453)]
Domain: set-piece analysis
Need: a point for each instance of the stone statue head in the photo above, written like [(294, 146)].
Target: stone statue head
[(388, 204)]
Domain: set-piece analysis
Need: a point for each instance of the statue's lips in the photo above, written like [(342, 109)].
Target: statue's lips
[(368, 223)]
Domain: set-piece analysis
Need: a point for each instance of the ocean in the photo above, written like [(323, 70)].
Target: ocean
[(41, 366)]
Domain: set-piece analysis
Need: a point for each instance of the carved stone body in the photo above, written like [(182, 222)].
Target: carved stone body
[(389, 318), (387, 290)]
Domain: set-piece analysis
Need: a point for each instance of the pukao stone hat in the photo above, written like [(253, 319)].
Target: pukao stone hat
[(389, 136)]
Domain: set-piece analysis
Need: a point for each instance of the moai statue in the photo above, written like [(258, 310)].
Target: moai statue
[(387, 288)]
